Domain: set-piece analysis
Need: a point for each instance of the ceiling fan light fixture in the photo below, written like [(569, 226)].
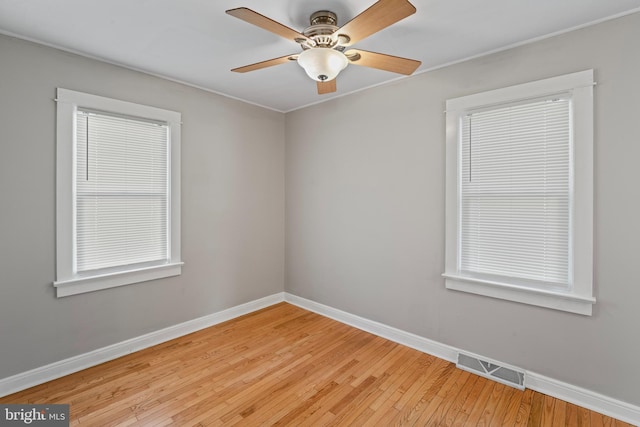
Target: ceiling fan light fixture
[(322, 64), (323, 42)]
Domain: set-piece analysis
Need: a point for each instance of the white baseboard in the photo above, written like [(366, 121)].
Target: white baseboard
[(73, 364), (570, 393), (419, 343), (586, 398), (549, 386)]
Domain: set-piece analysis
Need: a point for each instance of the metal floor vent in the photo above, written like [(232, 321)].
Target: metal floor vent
[(489, 369)]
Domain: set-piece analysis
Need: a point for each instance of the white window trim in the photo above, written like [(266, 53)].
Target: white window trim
[(67, 281), (579, 299)]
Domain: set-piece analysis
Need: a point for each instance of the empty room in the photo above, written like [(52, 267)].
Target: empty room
[(319, 212)]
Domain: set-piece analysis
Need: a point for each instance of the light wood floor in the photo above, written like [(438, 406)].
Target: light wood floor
[(287, 366)]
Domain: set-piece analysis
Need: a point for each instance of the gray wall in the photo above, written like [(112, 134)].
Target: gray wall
[(232, 210), (365, 212)]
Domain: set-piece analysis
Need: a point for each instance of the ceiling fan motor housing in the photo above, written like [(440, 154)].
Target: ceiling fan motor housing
[(323, 31), (324, 17)]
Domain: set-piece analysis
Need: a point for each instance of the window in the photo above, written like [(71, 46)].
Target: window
[(519, 192), (118, 193)]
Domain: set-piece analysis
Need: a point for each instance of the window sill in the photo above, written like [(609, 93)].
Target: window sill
[(543, 298), (80, 285)]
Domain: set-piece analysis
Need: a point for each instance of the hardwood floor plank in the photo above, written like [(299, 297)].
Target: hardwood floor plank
[(511, 414), (357, 412), (608, 422), (480, 403), (413, 387), (559, 412), (467, 407), (287, 366), (377, 350), (415, 401), (535, 415), (584, 418), (353, 394), (547, 411), (317, 411), (448, 394), (458, 404), (525, 408), (490, 407), (571, 419), (502, 404), (434, 396), (400, 372), (300, 409)]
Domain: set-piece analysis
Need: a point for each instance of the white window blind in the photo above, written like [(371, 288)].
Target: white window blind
[(515, 191), (121, 192)]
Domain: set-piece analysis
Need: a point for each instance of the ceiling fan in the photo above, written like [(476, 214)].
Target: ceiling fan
[(323, 43)]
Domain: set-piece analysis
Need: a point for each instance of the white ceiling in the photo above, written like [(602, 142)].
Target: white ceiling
[(195, 42)]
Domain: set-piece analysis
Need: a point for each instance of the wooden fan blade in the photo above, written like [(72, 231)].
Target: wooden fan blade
[(382, 61), (326, 87), (268, 24), (379, 16), (265, 64)]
